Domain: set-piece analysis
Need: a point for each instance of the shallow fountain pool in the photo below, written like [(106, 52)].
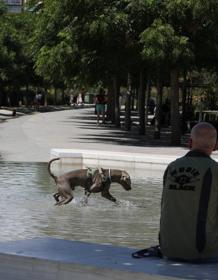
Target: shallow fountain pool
[(28, 211)]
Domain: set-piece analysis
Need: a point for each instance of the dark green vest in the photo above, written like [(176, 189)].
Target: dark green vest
[(189, 208)]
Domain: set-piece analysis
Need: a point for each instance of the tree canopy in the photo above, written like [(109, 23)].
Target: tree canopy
[(116, 44)]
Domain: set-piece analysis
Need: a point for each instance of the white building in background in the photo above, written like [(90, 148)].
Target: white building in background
[(14, 6)]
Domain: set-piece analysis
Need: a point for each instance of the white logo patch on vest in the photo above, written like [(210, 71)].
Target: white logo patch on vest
[(183, 178)]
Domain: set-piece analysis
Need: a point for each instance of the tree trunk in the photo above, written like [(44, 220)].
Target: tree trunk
[(111, 104), (1, 96), (157, 123), (137, 98), (55, 96), (14, 96), (132, 98), (147, 96), (175, 116), (185, 104), (45, 96), (141, 104), (116, 90), (128, 104), (63, 100)]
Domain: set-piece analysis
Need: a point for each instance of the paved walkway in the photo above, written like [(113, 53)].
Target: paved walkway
[(31, 136)]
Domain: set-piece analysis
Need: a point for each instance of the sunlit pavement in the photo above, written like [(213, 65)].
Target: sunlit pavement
[(32, 136)]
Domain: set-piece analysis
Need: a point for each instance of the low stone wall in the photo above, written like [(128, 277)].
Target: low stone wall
[(137, 165)]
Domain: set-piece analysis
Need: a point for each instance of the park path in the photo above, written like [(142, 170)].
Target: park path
[(31, 137)]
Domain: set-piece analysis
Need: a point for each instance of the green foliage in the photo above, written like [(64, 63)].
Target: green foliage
[(91, 32), (162, 44), (51, 61), (93, 40), (15, 59), (3, 8)]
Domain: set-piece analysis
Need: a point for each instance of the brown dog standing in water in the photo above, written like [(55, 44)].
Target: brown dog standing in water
[(93, 182)]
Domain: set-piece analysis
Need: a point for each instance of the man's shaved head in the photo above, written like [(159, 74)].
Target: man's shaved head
[(204, 137)]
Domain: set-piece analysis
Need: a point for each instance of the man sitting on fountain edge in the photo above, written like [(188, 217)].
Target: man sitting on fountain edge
[(189, 206)]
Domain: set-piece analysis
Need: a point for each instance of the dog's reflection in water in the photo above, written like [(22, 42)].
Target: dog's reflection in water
[(92, 180)]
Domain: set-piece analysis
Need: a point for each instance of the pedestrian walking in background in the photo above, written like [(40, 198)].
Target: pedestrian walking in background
[(80, 100), (100, 103)]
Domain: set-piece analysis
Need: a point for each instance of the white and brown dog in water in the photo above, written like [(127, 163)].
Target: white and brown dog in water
[(93, 181)]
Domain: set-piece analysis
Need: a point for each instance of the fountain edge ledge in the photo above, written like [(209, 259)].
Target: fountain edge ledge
[(111, 159), (49, 259)]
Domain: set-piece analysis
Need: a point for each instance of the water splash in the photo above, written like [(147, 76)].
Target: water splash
[(27, 209), (124, 203)]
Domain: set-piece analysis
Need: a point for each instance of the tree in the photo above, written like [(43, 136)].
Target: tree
[(82, 40), (140, 17), (164, 45)]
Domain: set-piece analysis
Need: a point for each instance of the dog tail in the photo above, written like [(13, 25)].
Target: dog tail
[(49, 168)]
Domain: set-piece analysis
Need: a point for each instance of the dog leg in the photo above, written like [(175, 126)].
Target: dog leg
[(106, 194), (66, 200), (56, 196), (65, 191), (60, 201), (85, 198)]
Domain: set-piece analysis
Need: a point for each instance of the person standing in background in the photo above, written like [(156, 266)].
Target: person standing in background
[(100, 102), (80, 100)]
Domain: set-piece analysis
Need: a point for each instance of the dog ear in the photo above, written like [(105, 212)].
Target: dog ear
[(125, 175)]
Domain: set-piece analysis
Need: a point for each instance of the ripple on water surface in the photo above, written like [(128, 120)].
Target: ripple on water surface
[(28, 211)]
